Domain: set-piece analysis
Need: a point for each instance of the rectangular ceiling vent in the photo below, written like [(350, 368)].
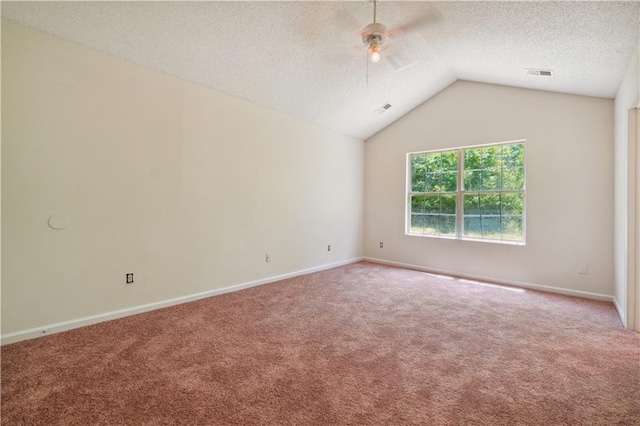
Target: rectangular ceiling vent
[(536, 71), (383, 108)]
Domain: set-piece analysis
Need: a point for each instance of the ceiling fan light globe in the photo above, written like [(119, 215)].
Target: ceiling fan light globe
[(375, 57)]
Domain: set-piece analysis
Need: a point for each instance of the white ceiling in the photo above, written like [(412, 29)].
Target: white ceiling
[(305, 59)]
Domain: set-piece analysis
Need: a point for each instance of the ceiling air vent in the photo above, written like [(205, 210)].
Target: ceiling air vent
[(536, 71), (383, 108)]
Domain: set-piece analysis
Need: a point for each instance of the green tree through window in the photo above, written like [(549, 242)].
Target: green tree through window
[(475, 192)]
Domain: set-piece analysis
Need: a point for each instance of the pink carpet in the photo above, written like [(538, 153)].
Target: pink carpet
[(359, 344)]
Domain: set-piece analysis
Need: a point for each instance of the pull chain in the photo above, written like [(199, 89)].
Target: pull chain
[(367, 72)]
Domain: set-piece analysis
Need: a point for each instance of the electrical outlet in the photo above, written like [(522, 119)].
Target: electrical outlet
[(130, 278), (381, 244), (267, 258), (583, 268), (329, 247)]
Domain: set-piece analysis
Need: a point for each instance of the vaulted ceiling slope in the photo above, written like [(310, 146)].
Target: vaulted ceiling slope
[(306, 59)]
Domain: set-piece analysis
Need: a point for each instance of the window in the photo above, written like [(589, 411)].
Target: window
[(471, 193)]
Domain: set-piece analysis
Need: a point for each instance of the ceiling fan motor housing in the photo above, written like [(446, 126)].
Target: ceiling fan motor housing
[(374, 34)]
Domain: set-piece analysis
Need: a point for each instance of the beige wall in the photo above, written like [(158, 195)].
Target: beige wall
[(183, 186), (569, 161)]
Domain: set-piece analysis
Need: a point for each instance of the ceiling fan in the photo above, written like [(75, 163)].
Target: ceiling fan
[(376, 34)]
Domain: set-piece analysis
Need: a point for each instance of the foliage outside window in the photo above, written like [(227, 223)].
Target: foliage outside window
[(475, 192)]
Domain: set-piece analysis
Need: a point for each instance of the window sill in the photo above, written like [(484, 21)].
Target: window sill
[(477, 240)]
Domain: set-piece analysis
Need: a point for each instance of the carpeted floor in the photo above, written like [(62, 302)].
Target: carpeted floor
[(359, 344)]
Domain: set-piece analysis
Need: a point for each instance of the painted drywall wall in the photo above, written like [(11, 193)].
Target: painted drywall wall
[(569, 175), (627, 98), (185, 187)]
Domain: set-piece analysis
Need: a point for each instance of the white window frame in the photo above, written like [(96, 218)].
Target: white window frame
[(460, 192)]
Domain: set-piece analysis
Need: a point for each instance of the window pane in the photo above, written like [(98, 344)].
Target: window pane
[(439, 216), (490, 204), (491, 180), (417, 204), (512, 228), (450, 161), (471, 204), (513, 156), (512, 216), (513, 179), (417, 214), (434, 162), (491, 226), (492, 157), (431, 226), (450, 181), (448, 204), (418, 170), (473, 159), (448, 224), (432, 204), (494, 216), (472, 226), (433, 182), (448, 214), (417, 223), (472, 180), (512, 204)]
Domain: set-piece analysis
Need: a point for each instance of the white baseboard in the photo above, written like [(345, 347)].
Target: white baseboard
[(58, 327), (623, 318), (568, 292)]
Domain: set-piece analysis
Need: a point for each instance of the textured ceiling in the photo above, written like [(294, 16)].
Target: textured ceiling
[(306, 59)]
